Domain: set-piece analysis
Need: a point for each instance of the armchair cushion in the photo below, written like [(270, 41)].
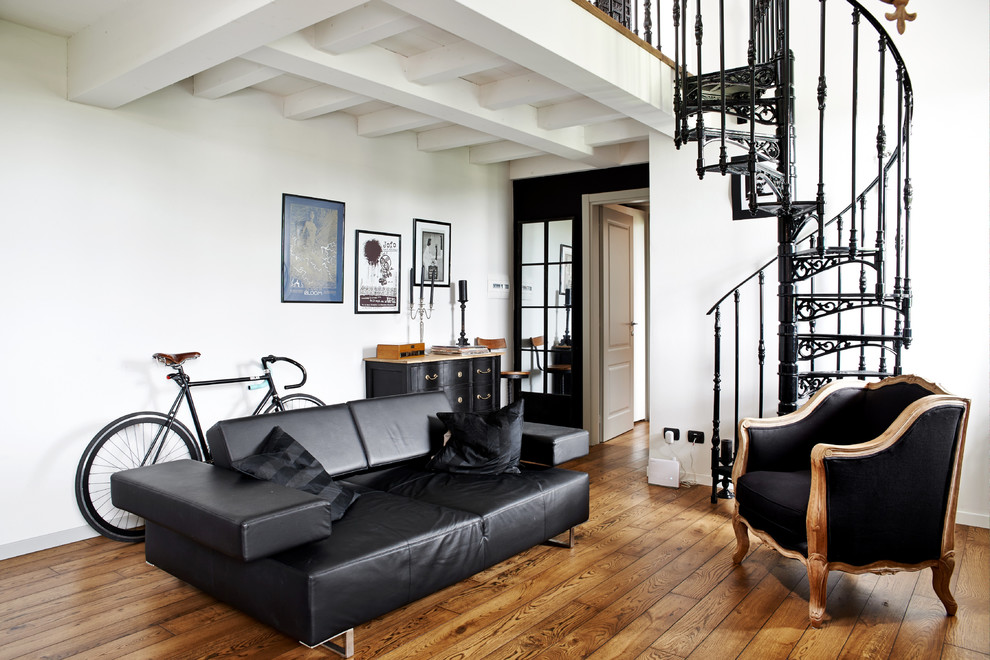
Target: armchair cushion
[(777, 503), (284, 461)]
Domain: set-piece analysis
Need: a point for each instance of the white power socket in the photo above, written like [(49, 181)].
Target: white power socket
[(664, 472)]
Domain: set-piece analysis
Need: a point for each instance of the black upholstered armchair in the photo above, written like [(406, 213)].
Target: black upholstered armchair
[(862, 478)]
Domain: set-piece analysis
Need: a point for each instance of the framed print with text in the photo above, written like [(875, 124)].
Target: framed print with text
[(377, 272), (312, 250)]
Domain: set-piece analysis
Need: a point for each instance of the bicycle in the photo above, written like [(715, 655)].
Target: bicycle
[(148, 437)]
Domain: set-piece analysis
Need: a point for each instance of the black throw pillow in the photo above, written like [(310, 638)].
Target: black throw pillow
[(284, 461), (481, 443)]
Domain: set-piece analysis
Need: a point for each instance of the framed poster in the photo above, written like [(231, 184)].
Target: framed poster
[(431, 253), (312, 250), (376, 272)]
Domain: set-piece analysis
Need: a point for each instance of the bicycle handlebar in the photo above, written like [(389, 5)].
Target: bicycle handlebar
[(268, 359)]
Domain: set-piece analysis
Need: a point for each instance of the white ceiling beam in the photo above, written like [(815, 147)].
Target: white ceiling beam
[(615, 132), (362, 26), (500, 152), (317, 101), (377, 73), (523, 89), (620, 154), (147, 45), (449, 62), (451, 137), (587, 57), (230, 77), (392, 120), (575, 113)]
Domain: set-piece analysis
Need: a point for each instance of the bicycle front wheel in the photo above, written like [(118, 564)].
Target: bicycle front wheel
[(131, 441), (293, 401)]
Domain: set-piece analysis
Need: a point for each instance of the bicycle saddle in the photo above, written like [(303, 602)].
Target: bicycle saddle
[(174, 359)]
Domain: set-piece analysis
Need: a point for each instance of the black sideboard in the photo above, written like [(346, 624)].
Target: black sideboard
[(471, 382)]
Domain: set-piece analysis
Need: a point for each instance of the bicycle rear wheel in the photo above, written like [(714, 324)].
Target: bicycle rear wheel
[(127, 442), (293, 401)]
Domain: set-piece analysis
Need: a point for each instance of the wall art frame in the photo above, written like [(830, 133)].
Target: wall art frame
[(312, 249), (431, 253), (377, 272)]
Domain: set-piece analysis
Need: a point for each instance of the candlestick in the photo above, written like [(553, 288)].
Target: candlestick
[(462, 291), (433, 281), (422, 277), (412, 286)]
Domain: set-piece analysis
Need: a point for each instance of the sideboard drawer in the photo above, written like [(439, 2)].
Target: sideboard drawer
[(460, 398), (426, 377), (482, 369), (484, 398), (458, 373)]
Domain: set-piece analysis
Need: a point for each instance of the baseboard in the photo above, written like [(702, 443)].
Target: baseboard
[(973, 519), (55, 539)]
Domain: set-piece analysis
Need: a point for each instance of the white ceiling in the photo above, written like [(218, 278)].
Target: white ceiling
[(512, 80)]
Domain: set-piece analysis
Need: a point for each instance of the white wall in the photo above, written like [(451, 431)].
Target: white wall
[(157, 227), (697, 252)]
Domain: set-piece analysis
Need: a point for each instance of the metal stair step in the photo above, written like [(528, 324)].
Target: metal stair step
[(821, 336), (835, 375)]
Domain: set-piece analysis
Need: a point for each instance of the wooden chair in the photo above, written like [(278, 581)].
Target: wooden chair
[(557, 371), (862, 478), (514, 378)]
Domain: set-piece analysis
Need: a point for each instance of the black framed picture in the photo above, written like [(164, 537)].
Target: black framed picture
[(431, 253), (377, 271), (312, 249)]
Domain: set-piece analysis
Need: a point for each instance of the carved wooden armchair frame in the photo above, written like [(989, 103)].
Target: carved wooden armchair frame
[(817, 559)]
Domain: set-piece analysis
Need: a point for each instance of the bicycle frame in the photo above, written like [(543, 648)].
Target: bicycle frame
[(185, 383)]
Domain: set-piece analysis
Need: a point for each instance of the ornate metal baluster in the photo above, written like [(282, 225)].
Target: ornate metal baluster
[(700, 121), (855, 106), (908, 192), (716, 440), (678, 100), (882, 178), (820, 199), (761, 350), (648, 23), (722, 157), (751, 60), (862, 295), (684, 91), (735, 428), (899, 237)]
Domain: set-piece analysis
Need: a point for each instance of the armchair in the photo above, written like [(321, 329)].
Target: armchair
[(862, 478)]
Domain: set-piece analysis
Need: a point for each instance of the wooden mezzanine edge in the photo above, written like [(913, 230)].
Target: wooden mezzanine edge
[(650, 576)]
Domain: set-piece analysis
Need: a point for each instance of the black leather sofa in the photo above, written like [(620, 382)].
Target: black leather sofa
[(273, 552)]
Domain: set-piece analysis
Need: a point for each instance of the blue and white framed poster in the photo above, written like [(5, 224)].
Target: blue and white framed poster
[(312, 250)]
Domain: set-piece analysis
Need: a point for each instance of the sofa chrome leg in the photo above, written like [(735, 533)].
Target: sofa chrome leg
[(569, 543), (345, 649)]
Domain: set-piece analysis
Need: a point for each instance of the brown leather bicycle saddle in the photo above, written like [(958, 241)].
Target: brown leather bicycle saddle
[(174, 359)]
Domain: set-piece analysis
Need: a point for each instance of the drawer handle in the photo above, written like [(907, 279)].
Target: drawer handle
[(460, 374), (484, 398), (460, 399), (486, 371), (433, 377)]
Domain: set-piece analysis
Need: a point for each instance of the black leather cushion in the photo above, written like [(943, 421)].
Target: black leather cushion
[(284, 461), (481, 443), (777, 503)]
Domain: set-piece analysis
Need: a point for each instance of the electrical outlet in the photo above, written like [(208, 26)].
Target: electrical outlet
[(676, 432), (696, 437)]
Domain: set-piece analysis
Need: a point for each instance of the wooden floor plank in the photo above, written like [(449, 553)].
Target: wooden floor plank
[(650, 577)]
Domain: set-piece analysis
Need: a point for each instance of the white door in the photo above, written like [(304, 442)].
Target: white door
[(617, 321)]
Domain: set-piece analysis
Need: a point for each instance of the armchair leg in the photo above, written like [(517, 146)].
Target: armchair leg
[(941, 573), (817, 583), (742, 539)]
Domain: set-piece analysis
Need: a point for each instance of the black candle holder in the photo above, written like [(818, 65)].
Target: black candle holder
[(463, 338)]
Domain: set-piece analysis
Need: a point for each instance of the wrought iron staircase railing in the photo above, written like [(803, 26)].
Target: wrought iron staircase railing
[(844, 285)]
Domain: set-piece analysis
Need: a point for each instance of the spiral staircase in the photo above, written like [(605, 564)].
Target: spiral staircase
[(844, 286)]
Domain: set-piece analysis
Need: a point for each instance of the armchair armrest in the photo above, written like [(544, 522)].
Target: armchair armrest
[(908, 475), (237, 515)]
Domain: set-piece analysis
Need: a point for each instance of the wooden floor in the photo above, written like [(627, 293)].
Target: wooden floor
[(650, 576)]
